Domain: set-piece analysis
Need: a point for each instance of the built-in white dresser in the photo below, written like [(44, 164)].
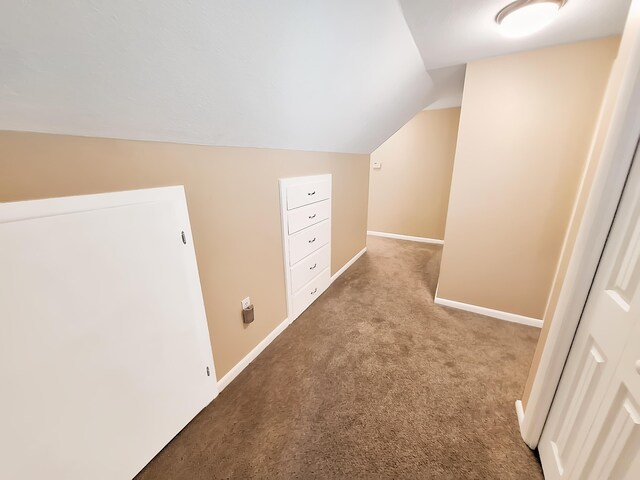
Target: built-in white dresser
[(306, 234)]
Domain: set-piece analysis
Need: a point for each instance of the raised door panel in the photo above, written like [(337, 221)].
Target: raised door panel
[(612, 448), (573, 420), (616, 451), (593, 422)]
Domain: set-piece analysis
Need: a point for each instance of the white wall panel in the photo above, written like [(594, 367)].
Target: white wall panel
[(104, 348)]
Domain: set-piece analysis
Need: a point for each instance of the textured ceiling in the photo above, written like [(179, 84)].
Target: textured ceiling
[(329, 75)]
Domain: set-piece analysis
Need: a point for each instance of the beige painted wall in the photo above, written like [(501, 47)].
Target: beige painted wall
[(525, 132), (233, 200), (410, 193), (618, 72)]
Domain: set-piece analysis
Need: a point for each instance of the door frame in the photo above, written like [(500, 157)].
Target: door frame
[(617, 155)]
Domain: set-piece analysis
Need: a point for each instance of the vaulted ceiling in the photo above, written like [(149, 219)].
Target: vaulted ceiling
[(327, 75)]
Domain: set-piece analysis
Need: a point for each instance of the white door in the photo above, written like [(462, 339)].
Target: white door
[(104, 347), (593, 428)]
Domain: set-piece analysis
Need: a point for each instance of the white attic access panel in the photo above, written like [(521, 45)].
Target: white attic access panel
[(104, 347)]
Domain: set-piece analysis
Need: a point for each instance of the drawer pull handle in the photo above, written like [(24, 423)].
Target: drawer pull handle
[(314, 290), (312, 240), (312, 216), (312, 193), (314, 266)]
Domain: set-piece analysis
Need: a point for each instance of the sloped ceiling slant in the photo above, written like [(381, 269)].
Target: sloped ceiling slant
[(324, 75)]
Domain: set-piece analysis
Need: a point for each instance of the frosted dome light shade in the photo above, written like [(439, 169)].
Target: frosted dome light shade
[(529, 19)]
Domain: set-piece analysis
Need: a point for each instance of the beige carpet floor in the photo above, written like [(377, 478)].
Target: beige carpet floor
[(372, 381)]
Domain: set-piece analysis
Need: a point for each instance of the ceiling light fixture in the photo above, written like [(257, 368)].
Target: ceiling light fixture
[(524, 17)]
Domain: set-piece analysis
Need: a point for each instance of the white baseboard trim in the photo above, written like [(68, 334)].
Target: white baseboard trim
[(509, 317), (520, 413), (251, 356), (347, 265), (397, 236)]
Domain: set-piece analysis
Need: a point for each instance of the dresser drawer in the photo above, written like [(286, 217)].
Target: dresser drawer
[(310, 291), (308, 241), (299, 194), (308, 215), (307, 268)]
